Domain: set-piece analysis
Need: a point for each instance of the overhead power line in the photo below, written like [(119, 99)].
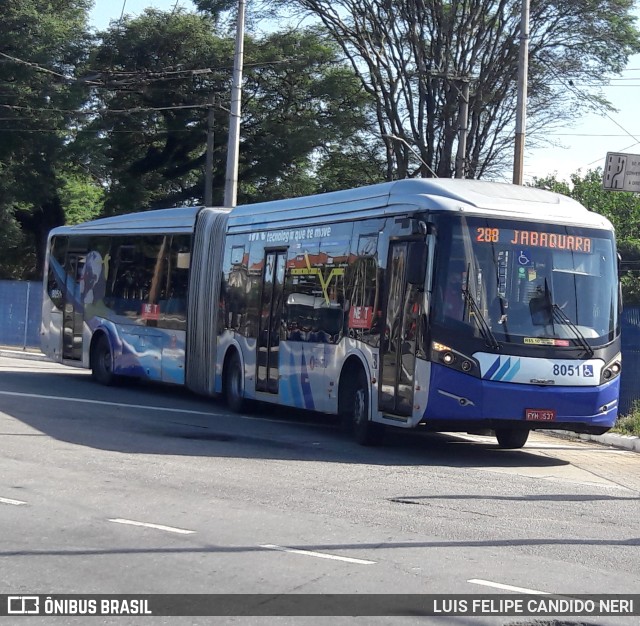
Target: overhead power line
[(75, 131), (584, 95), (91, 75), (106, 111), (35, 66)]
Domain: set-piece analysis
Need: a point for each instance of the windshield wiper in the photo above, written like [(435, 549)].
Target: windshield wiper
[(481, 321), (561, 317)]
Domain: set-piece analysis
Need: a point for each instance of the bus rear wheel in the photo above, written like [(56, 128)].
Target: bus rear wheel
[(234, 385), (511, 438), (102, 362), (365, 432)]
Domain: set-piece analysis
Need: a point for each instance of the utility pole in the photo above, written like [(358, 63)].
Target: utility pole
[(233, 148), (521, 110), (461, 156), (208, 174)]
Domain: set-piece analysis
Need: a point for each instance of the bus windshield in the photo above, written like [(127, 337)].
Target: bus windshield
[(526, 283)]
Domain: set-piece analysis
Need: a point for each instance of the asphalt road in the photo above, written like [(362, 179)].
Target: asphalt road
[(149, 489)]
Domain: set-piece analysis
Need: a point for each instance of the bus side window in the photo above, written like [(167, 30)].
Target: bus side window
[(173, 293), (363, 284)]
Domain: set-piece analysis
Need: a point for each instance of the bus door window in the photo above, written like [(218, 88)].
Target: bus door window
[(73, 317), (364, 284), (271, 311), (398, 349)]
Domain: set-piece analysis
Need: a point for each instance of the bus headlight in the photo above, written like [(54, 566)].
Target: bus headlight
[(611, 369), (446, 355)]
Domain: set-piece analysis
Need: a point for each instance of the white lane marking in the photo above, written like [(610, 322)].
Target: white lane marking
[(170, 529), (319, 555), (11, 501), (488, 583), (120, 404)]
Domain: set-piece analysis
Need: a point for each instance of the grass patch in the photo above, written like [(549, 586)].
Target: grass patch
[(629, 424)]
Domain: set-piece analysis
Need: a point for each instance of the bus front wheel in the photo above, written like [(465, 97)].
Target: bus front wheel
[(102, 362), (234, 385), (365, 432), (511, 438)]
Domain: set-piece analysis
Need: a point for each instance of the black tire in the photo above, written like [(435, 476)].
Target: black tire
[(365, 432), (511, 438), (102, 362), (234, 384)]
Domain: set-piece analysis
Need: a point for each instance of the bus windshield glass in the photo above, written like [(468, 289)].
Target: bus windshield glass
[(526, 283)]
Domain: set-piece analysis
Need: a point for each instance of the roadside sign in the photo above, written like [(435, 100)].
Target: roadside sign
[(622, 172)]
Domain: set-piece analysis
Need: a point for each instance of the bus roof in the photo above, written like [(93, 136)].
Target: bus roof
[(178, 220), (463, 196), (432, 194)]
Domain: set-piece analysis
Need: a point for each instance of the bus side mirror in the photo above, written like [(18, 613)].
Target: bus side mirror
[(417, 263)]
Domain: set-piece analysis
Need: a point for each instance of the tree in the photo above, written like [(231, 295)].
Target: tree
[(622, 208), (629, 250), (413, 56), (42, 42), (81, 197), (304, 112), (158, 75)]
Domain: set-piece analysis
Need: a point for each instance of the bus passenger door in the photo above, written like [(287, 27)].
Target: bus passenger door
[(72, 315), (271, 305), (398, 343)]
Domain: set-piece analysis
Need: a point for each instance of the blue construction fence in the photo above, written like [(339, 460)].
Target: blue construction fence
[(630, 378), (20, 312)]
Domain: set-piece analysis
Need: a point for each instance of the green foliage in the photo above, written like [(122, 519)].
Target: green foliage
[(151, 122), (42, 43), (301, 106), (629, 250), (215, 7), (629, 424), (14, 263), (361, 164), (413, 57), (119, 123), (621, 208), (82, 198)]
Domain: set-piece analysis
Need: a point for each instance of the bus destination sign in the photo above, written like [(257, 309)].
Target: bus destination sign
[(534, 238)]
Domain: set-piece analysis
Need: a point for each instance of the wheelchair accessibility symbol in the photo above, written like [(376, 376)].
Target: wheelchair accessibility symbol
[(523, 258)]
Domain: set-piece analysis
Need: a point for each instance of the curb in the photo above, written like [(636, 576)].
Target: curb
[(625, 442)]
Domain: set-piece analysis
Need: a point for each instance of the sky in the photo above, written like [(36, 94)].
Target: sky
[(581, 146)]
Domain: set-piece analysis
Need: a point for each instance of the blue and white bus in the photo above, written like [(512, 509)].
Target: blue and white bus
[(449, 305)]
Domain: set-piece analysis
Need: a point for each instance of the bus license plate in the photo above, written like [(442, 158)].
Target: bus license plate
[(540, 415)]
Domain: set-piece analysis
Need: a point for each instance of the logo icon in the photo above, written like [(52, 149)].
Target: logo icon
[(587, 371), (503, 371), (524, 258), (23, 605)]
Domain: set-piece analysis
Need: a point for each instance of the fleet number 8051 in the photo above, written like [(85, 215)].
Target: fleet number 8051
[(566, 370)]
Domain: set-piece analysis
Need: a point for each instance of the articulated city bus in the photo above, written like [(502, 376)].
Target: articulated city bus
[(449, 305)]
